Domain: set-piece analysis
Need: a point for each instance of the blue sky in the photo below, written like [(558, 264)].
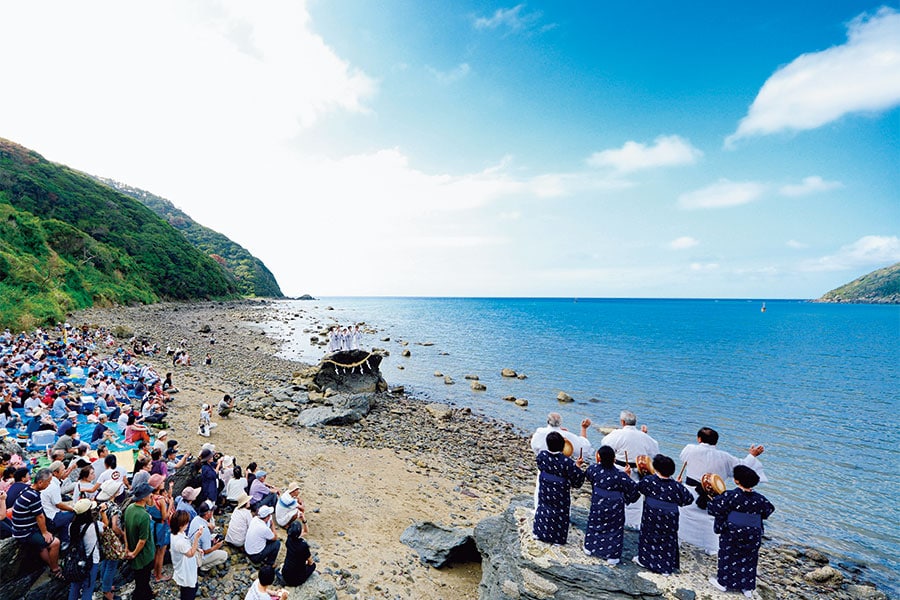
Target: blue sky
[(473, 148)]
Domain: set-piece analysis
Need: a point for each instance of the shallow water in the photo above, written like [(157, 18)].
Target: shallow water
[(817, 384)]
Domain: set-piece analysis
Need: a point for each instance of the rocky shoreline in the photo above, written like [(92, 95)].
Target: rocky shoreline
[(456, 467)]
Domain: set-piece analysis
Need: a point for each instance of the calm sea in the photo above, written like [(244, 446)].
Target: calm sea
[(817, 384)]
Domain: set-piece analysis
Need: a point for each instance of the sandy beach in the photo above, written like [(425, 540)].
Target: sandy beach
[(364, 484)]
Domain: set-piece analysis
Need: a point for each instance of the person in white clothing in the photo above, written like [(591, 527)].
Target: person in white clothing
[(581, 447), (631, 442), (185, 555), (236, 486), (695, 525), (236, 535), (262, 543), (262, 589), (290, 506)]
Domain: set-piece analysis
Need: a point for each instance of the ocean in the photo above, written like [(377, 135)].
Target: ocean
[(816, 384)]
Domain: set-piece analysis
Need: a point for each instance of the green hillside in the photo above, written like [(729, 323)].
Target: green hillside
[(881, 287), (253, 277), (68, 242)]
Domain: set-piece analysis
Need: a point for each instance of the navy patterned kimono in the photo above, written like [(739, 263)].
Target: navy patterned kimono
[(739, 516), (558, 475), (612, 490), (658, 546)]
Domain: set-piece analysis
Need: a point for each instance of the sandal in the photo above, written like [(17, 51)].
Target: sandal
[(57, 574)]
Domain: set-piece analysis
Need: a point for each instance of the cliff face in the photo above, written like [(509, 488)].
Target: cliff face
[(878, 287), (68, 242)]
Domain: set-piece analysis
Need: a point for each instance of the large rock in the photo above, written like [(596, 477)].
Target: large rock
[(351, 371), (344, 410), (515, 566), (314, 588), (564, 397), (438, 545)]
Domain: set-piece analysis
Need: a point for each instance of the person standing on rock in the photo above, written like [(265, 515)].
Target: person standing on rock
[(658, 545), (696, 525), (739, 515), (612, 489), (581, 447), (631, 442), (558, 475)]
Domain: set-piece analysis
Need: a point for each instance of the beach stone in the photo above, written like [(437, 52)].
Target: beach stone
[(438, 545), (564, 397), (815, 556), (521, 402), (314, 588), (509, 398), (865, 592), (507, 373), (438, 374), (448, 380), (826, 574), (472, 377), (406, 353), (521, 376), (477, 386), (442, 412), (345, 410)]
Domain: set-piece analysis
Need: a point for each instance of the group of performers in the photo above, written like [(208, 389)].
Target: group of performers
[(634, 485), (346, 338)]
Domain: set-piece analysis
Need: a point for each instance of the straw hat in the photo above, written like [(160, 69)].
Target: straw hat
[(293, 487), (243, 500), (3, 432), (84, 505)]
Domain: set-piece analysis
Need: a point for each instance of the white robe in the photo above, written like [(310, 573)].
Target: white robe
[(695, 525), (635, 442)]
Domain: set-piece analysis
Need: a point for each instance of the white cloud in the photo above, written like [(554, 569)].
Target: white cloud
[(722, 194), (514, 19), (809, 185), (451, 76), (711, 266), (666, 151), (871, 251), (683, 243), (817, 88), (796, 245)]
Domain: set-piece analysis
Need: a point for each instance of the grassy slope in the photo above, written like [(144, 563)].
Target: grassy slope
[(68, 242), (881, 286)]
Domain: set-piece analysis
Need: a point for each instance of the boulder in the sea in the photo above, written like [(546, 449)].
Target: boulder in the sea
[(507, 372), (350, 371), (472, 377), (438, 374), (521, 402), (477, 386), (406, 353), (448, 380), (438, 545), (509, 398), (564, 397)]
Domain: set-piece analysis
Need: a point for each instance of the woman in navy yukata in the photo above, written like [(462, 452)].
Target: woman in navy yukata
[(612, 490), (658, 546), (559, 474), (739, 515)]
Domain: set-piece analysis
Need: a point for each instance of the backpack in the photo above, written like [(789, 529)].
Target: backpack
[(77, 567)]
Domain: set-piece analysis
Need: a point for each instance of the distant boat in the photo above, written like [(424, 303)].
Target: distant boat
[(763, 309)]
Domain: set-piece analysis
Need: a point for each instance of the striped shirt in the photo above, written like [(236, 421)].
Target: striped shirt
[(25, 513)]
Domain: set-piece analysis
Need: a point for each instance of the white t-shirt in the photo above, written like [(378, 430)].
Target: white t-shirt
[(286, 507), (254, 593), (185, 568), (50, 497), (258, 533), (238, 525), (235, 488), (119, 474)]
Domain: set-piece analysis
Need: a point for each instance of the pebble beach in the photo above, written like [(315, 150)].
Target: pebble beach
[(363, 484)]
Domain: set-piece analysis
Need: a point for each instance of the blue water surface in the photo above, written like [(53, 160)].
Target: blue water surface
[(817, 384)]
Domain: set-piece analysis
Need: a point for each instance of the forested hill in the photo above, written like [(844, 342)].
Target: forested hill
[(878, 287), (254, 278), (68, 242)]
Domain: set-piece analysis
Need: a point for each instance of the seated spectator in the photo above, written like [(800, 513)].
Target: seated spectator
[(134, 431), (237, 486), (298, 561), (290, 506), (236, 535), (262, 543), (29, 524), (59, 514), (261, 493), (211, 553), (262, 589)]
